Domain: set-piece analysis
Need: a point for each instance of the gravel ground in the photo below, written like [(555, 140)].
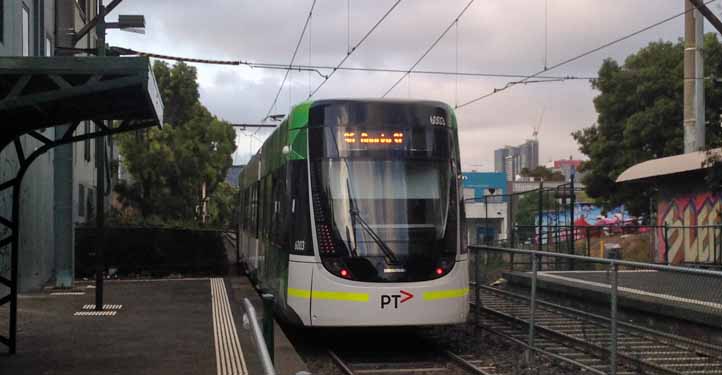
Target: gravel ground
[(416, 343)]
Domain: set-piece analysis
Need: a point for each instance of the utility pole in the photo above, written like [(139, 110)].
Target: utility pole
[(100, 183), (694, 123)]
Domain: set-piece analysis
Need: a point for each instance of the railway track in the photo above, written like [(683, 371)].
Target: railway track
[(582, 338), (437, 363)]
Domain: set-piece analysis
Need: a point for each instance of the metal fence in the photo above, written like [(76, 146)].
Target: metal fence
[(607, 316), (251, 320), (699, 245)]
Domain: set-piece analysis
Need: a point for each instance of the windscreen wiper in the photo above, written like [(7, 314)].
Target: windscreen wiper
[(356, 215)]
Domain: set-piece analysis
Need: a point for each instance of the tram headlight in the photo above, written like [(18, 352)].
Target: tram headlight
[(337, 267), (443, 266)]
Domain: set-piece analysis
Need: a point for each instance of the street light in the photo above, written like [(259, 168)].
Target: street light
[(133, 23), (125, 22)]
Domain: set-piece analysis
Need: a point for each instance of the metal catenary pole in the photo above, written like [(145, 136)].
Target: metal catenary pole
[(532, 310), (100, 183), (666, 244), (613, 320), (540, 214), (573, 237)]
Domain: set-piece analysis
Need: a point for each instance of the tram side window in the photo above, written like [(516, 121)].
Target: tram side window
[(243, 210), (247, 211), (299, 217), (266, 207), (256, 211), (279, 226), (252, 210)]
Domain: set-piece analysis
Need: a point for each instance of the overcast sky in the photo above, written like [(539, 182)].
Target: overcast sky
[(494, 36)]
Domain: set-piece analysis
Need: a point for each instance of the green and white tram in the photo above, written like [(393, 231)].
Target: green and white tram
[(352, 213)]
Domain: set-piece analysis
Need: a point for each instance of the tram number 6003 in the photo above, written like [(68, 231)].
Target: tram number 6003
[(299, 245), (437, 120)]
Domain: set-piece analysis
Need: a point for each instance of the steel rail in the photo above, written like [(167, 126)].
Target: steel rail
[(340, 363), (593, 346), (465, 364), (456, 360), (698, 345), (542, 351)]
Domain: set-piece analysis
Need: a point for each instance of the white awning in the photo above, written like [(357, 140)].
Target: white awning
[(668, 165)]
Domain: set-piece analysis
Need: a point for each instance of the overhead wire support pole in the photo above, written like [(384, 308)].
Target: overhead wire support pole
[(100, 181), (355, 47), (577, 57), (708, 14), (438, 39), (93, 23)]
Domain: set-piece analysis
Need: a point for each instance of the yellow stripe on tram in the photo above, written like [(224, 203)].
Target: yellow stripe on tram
[(334, 296), (299, 293), (443, 294)]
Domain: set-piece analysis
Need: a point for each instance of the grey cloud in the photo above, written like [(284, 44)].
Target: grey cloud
[(498, 36)]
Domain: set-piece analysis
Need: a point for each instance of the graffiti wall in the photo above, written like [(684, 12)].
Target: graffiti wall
[(698, 245)]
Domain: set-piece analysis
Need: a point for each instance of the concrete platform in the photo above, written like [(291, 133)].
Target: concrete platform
[(687, 297), (178, 326)]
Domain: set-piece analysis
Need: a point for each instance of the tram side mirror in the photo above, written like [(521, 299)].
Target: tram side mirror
[(285, 150)]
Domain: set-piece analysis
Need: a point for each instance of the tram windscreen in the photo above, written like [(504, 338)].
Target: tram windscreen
[(390, 204)]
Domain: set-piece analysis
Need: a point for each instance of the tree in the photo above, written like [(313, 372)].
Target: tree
[(223, 205), (640, 118), (542, 172), (170, 165)]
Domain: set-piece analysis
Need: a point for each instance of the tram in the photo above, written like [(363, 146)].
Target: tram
[(352, 214)]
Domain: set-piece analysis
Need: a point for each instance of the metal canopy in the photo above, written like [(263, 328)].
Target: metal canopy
[(38, 92), (41, 92), (668, 165)]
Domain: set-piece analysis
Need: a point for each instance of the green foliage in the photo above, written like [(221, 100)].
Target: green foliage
[(640, 118), (527, 210), (542, 172), (223, 205), (170, 165)]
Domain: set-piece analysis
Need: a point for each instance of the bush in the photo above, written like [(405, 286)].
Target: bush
[(153, 251)]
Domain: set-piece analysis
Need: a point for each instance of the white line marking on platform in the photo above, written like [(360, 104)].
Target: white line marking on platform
[(229, 356), (598, 271), (67, 293), (667, 297), (95, 313), (156, 280), (105, 307)]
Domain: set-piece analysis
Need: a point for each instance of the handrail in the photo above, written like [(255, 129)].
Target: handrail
[(659, 267), (268, 368)]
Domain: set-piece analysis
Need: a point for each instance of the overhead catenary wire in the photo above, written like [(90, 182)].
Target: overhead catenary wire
[(355, 47), (438, 39), (317, 68), (575, 58), (293, 58)]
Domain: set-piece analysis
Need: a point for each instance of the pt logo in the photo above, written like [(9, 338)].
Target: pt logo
[(387, 298)]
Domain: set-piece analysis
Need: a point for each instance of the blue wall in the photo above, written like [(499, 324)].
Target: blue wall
[(480, 181)]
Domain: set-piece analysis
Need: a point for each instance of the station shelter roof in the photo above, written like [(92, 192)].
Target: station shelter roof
[(669, 165)]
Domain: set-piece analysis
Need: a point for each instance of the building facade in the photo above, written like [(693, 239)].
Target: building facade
[(58, 189), (485, 206), (512, 159)]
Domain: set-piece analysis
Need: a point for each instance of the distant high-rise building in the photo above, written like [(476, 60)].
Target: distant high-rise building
[(529, 154), (512, 160), (500, 159)]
